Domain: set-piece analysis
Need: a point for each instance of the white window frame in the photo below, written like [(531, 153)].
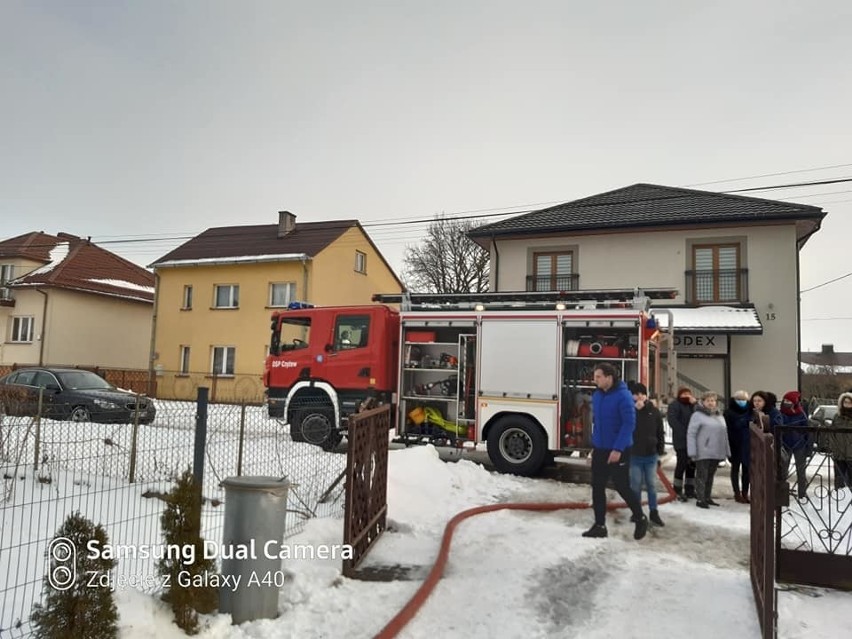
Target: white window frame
[(224, 360), (187, 297), (360, 262), (233, 295), (22, 329), (183, 365), (290, 296)]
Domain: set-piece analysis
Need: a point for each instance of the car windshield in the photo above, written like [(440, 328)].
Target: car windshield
[(83, 380), (829, 412)]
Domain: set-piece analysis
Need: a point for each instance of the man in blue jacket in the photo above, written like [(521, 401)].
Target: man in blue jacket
[(614, 419)]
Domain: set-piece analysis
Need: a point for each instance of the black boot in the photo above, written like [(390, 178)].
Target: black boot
[(641, 528), (702, 504), (597, 531), (655, 518)]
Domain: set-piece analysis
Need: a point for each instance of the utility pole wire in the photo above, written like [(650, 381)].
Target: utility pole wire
[(754, 177), (836, 279)]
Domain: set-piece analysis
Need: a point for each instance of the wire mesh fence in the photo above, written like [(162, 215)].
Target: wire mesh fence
[(117, 475)]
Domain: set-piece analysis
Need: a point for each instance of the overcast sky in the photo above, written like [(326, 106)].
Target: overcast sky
[(137, 120)]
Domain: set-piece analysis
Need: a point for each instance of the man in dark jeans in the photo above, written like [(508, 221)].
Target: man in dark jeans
[(614, 419)]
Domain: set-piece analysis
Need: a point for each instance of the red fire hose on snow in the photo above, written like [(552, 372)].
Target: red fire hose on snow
[(395, 625)]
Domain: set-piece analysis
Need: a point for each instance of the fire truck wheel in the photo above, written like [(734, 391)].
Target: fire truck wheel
[(296, 427), (317, 427), (516, 445)]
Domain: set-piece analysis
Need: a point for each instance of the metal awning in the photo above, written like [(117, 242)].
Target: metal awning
[(711, 319)]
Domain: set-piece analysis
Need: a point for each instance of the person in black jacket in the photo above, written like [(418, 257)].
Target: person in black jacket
[(649, 445), (737, 418), (679, 413)]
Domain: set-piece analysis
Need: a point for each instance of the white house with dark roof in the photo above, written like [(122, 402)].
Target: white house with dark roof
[(66, 301), (734, 261)]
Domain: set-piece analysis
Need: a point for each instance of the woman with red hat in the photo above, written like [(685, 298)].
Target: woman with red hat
[(795, 440)]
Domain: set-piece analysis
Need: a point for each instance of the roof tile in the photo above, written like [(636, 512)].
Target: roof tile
[(642, 205), (34, 246), (241, 241), (87, 267)]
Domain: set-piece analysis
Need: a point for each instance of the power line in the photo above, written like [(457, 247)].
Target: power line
[(799, 197), (790, 186), (454, 217), (754, 177), (836, 279)]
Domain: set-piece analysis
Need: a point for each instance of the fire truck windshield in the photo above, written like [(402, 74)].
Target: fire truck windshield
[(289, 333)]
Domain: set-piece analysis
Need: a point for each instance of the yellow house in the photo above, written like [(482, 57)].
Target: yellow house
[(215, 295)]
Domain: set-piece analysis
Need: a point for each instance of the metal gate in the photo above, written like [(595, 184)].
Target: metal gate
[(365, 514), (814, 510), (762, 563), (801, 514)]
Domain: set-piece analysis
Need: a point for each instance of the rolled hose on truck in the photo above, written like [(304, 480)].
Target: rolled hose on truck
[(395, 625)]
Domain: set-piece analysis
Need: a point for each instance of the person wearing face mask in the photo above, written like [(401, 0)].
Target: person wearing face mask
[(840, 443), (678, 415), (737, 418), (707, 443), (795, 443)]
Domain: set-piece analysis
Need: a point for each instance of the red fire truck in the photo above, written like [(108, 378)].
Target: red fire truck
[(513, 370)]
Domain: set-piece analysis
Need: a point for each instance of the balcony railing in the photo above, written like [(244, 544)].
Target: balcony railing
[(554, 282), (714, 287)]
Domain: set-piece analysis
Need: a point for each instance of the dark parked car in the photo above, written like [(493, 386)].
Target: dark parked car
[(70, 393), (822, 415)]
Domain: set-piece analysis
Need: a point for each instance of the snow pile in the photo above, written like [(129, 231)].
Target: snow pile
[(523, 574), (57, 254), (124, 284)]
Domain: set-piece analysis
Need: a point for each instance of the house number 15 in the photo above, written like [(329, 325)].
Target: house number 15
[(770, 317)]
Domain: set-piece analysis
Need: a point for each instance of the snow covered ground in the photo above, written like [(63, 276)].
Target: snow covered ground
[(524, 574)]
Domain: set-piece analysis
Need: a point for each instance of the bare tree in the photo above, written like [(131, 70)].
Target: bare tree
[(446, 260)]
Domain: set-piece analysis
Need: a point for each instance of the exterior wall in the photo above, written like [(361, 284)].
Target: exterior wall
[(11, 305), (82, 329), (27, 303), (330, 279), (337, 283), (658, 259), (203, 326), (22, 265), (96, 330)]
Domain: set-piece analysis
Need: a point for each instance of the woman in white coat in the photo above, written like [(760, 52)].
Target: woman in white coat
[(707, 444)]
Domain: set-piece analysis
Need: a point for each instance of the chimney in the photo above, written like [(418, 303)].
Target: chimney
[(828, 349), (286, 223)]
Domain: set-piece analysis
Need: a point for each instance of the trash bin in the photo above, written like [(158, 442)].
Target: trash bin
[(255, 511)]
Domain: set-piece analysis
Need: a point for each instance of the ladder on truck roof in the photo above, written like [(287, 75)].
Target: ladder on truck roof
[(589, 299)]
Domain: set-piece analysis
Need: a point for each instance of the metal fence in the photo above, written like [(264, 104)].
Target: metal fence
[(814, 525), (366, 507), (801, 512), (762, 556), (117, 475), (232, 389)]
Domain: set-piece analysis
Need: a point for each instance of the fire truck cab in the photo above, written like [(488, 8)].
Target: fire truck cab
[(324, 363)]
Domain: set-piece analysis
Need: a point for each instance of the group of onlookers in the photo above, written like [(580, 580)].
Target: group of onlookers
[(628, 442), (704, 435)]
